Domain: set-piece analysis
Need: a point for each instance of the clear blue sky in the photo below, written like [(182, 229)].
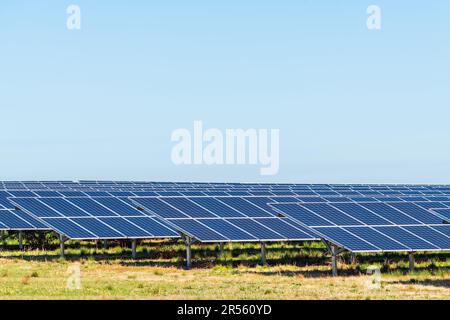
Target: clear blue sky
[(352, 105)]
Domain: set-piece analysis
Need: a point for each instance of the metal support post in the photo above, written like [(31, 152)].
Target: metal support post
[(133, 248), (352, 258), (334, 260), (188, 253), (20, 240), (263, 253), (61, 245), (411, 261), (221, 249)]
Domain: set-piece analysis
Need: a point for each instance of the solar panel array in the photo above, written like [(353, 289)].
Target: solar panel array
[(372, 226), (14, 220), (94, 218), (216, 212), (217, 219)]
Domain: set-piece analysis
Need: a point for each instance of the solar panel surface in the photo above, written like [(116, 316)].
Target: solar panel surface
[(367, 227), (219, 219)]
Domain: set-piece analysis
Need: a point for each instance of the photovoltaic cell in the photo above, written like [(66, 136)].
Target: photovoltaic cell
[(98, 228), (197, 230), (401, 235), (228, 230), (346, 239), (376, 238), (217, 207)]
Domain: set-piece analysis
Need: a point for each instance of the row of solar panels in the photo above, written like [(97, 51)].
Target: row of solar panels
[(212, 215), (410, 225), (129, 193), (222, 188), (159, 185), (102, 182), (368, 226), (5, 203), (359, 227), (112, 217), (5, 200), (290, 196)]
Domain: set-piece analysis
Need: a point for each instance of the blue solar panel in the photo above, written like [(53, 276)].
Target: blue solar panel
[(312, 199), (198, 230), (417, 213), (189, 208), (152, 226), (256, 229), (91, 206), (431, 205), (228, 230), (125, 227), (69, 228), (284, 228), (362, 214), (10, 220), (76, 218), (301, 214), (121, 194), (47, 194), (444, 229), (238, 193), (389, 213), (218, 208), (331, 214), (263, 203), (192, 193), (34, 205), (98, 228), (73, 194), (438, 239), (215, 193), (283, 199), (64, 207), (160, 208), (22, 194), (245, 207), (169, 193), (118, 206), (408, 239), (376, 238), (37, 224), (5, 203), (346, 239), (337, 199), (97, 194), (381, 236), (144, 193), (444, 213), (237, 212)]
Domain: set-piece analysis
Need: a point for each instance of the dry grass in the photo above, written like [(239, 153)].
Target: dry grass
[(158, 275)]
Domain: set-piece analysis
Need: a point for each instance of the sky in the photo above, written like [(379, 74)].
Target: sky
[(352, 105)]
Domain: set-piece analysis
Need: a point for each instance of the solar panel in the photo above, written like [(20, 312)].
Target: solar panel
[(444, 213), (398, 226), (16, 220), (94, 218), (218, 219)]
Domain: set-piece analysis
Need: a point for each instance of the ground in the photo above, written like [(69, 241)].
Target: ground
[(294, 271)]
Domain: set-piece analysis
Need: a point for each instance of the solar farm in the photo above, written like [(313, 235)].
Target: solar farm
[(354, 220)]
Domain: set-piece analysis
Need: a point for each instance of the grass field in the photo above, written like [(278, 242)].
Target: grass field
[(294, 271)]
